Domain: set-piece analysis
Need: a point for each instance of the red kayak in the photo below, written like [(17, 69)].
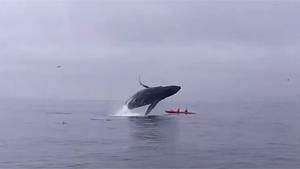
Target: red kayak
[(178, 111)]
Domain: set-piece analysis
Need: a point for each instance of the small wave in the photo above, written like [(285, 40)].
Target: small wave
[(58, 113), (95, 119), (126, 112)]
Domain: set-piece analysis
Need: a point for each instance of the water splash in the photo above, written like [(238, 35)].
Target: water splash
[(126, 112)]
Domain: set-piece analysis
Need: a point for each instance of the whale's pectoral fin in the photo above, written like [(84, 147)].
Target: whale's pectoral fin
[(145, 86), (151, 107), (142, 84)]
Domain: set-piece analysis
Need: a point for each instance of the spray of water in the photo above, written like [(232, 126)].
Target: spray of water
[(126, 112)]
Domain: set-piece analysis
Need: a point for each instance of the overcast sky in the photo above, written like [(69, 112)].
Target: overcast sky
[(214, 50)]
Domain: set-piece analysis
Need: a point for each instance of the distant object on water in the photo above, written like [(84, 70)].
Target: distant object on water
[(178, 111)]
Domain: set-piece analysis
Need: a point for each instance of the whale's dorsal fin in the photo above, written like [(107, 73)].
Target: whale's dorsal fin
[(145, 86)]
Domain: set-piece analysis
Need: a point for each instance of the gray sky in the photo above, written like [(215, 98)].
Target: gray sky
[(214, 50)]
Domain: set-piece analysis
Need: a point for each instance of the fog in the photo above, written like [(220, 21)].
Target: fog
[(219, 50)]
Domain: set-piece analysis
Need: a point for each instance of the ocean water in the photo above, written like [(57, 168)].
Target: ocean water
[(91, 134)]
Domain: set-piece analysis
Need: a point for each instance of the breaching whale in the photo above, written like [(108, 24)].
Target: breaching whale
[(150, 96)]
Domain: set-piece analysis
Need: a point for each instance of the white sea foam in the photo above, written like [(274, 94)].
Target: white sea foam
[(126, 112)]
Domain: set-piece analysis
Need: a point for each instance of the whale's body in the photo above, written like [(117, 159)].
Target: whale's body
[(151, 96)]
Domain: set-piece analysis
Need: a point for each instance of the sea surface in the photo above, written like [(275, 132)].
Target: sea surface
[(88, 134)]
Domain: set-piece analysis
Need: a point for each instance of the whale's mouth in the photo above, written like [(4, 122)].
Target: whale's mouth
[(126, 112), (175, 89)]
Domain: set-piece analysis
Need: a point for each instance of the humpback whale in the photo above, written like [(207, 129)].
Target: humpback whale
[(150, 96)]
